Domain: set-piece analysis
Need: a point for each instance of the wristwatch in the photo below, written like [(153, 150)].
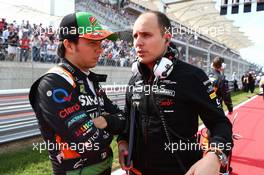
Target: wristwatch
[(221, 156)]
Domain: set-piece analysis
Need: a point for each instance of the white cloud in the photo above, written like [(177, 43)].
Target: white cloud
[(20, 10)]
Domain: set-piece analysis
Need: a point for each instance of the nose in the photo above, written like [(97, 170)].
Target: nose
[(138, 42), (99, 49)]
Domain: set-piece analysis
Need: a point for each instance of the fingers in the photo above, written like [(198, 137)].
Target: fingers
[(100, 122), (191, 171), (123, 152), (122, 159)]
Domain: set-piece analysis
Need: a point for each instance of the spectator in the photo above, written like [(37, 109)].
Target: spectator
[(234, 79), (2, 55), (13, 42), (43, 47), (245, 82), (6, 34), (51, 52), (3, 25), (251, 82), (36, 47), (24, 47), (261, 85)]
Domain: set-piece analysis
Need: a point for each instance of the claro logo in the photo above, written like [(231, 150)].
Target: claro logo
[(67, 111)]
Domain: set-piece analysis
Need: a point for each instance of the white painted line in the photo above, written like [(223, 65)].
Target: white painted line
[(236, 107), (252, 98)]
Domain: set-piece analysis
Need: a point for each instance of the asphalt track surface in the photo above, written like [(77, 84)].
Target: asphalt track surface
[(248, 151)]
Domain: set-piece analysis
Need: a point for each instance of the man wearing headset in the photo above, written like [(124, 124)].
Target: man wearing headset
[(166, 119), (220, 84)]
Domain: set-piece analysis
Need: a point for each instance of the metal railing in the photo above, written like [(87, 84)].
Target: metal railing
[(17, 119)]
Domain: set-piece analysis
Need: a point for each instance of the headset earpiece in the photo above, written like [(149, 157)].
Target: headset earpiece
[(134, 67), (163, 66), (167, 36)]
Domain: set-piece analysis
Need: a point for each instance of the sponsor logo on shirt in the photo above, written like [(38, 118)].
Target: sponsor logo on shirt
[(82, 89), (212, 95), (69, 110), (167, 103), (87, 100), (84, 129), (76, 118), (60, 95), (168, 82), (166, 92)]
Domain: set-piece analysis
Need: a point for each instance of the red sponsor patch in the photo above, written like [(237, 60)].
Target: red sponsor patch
[(68, 98), (69, 110), (166, 103), (92, 20)]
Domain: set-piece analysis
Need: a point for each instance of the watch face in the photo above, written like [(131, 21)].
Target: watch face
[(223, 159)]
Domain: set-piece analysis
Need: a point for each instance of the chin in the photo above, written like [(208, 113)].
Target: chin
[(91, 65), (146, 60), (94, 65)]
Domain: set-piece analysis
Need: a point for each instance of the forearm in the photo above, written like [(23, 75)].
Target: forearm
[(115, 122)]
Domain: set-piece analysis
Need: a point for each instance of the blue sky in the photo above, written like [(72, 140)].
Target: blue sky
[(250, 23), (253, 26)]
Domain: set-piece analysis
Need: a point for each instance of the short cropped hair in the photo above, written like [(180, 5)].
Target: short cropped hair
[(163, 21)]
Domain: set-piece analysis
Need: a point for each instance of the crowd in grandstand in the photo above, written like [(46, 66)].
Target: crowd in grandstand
[(119, 53), (116, 16), (24, 42), (21, 40)]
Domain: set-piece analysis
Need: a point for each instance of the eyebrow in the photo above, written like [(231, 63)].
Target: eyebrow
[(140, 33)]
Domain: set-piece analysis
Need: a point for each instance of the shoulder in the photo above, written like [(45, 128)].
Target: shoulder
[(60, 74), (55, 78), (136, 77)]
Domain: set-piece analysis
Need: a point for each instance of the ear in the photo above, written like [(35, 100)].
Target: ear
[(167, 37), (68, 46)]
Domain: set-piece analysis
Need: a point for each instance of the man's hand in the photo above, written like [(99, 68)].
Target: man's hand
[(122, 151), (100, 122), (209, 165)]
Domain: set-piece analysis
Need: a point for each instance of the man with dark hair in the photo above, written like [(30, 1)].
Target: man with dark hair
[(75, 116), (220, 84), (24, 47), (13, 42), (163, 102), (3, 25)]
